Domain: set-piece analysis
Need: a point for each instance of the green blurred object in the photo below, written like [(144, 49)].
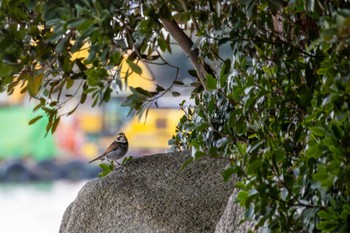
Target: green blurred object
[(18, 139)]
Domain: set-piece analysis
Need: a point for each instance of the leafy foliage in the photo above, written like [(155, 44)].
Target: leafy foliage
[(275, 106), (106, 169), (109, 167), (278, 111)]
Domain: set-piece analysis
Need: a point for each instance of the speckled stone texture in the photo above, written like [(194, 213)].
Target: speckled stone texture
[(152, 194), (230, 219)]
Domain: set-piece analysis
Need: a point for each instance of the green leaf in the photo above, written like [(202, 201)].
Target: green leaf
[(216, 22), (227, 173), (107, 94), (275, 4), (34, 84), (62, 45), (134, 67), (335, 150), (199, 154), (159, 88), (323, 176), (35, 119), (104, 166), (289, 181), (162, 44), (187, 162), (69, 83), (55, 124), (115, 58), (318, 131), (106, 169), (95, 75), (81, 23), (179, 83), (193, 73), (279, 155), (90, 90), (242, 197), (242, 148), (127, 159), (313, 152), (240, 185), (241, 126), (213, 152), (41, 104), (224, 72), (254, 167), (83, 98), (325, 215), (175, 93), (211, 82), (142, 91)]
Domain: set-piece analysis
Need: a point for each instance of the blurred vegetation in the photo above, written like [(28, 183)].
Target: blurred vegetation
[(277, 110)]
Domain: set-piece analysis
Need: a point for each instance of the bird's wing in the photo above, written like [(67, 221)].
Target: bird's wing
[(112, 147)]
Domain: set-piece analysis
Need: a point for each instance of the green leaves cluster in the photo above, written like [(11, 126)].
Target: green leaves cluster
[(106, 169), (278, 112), (109, 167)]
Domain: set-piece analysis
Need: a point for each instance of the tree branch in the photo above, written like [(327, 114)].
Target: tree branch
[(186, 45)]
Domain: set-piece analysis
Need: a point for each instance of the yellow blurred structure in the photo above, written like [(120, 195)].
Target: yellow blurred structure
[(154, 134), (90, 122)]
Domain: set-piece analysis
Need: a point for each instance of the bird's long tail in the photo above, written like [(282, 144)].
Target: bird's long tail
[(99, 157)]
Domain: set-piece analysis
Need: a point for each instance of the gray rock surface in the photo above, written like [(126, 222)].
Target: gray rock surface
[(230, 219), (152, 194)]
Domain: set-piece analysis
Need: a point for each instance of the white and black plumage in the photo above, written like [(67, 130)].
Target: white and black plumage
[(116, 150)]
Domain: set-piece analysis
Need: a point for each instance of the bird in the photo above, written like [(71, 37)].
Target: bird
[(116, 150)]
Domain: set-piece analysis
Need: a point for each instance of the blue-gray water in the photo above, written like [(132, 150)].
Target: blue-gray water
[(35, 208)]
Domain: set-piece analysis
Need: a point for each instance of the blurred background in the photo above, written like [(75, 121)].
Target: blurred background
[(40, 176)]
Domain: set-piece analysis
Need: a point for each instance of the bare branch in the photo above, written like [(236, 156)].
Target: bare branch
[(186, 44)]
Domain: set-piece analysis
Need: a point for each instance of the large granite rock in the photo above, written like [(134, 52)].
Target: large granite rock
[(230, 220), (152, 194)]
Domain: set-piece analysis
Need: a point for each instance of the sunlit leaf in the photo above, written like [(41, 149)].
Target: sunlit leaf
[(317, 131), (134, 67), (211, 82), (34, 84)]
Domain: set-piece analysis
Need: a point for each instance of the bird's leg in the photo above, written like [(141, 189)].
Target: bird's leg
[(115, 167)]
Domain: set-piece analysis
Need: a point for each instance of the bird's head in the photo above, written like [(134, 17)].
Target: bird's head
[(121, 138)]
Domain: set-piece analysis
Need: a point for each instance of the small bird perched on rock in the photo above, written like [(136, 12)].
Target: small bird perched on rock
[(116, 150)]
